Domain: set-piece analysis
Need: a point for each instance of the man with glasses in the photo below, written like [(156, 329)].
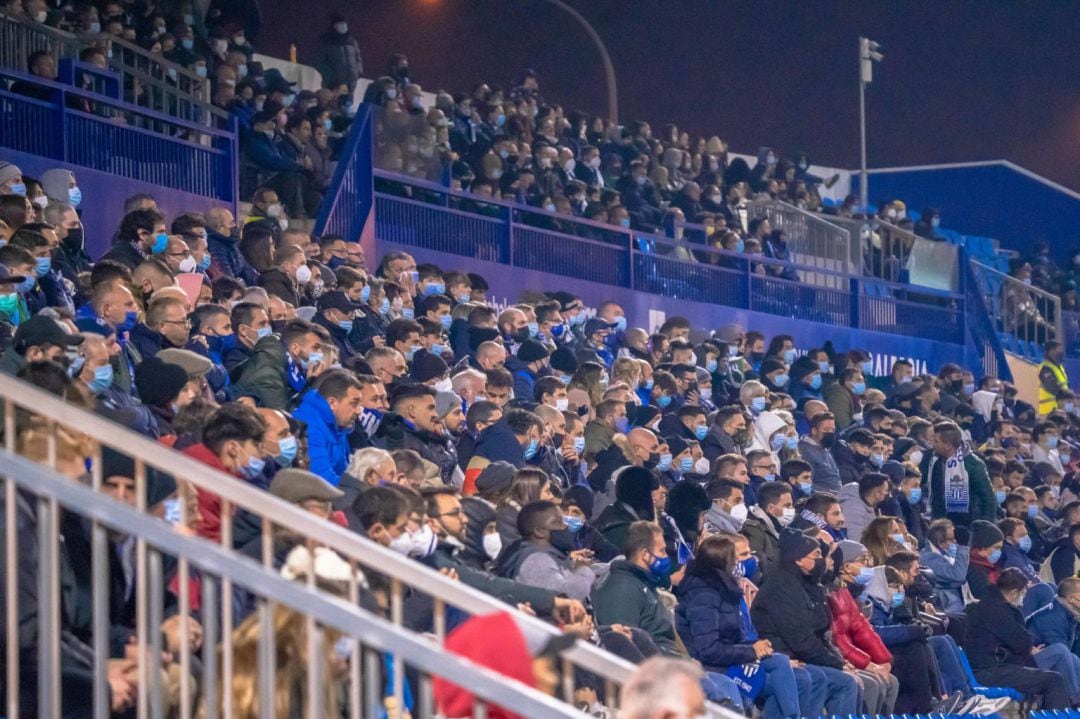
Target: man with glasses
[(165, 324)]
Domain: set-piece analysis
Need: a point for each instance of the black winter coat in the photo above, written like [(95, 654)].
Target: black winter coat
[(996, 634), (791, 612)]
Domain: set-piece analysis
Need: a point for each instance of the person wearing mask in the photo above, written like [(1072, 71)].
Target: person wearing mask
[(772, 514), (514, 439), (413, 423), (713, 620), (1057, 622), (845, 397), (545, 557), (727, 435), (854, 637), (1014, 552), (338, 58), (984, 566), (949, 563), (728, 511), (142, 233), (628, 594), (281, 366), (634, 489), (791, 612), (816, 449), (1000, 648), (1053, 380)]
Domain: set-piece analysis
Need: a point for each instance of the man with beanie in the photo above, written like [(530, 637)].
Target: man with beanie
[(429, 369), (528, 366), (791, 612), (985, 556), (564, 364), (159, 384), (633, 503)]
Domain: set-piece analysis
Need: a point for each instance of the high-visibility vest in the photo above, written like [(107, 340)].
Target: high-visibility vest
[(1047, 401)]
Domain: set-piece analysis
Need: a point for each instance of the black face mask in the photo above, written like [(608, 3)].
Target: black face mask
[(564, 540), (828, 439), (956, 386), (74, 239), (520, 335), (653, 460), (817, 574), (278, 325)]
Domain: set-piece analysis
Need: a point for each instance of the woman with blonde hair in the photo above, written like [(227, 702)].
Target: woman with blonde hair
[(592, 380), (627, 370), (884, 537)]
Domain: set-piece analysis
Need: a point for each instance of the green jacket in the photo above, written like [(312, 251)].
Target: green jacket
[(628, 596), (262, 376), (981, 501)]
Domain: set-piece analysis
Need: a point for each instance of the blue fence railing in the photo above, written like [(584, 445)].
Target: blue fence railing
[(346, 208), (432, 217), (81, 127)]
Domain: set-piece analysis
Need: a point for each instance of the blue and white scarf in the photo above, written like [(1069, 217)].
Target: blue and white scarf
[(957, 491)]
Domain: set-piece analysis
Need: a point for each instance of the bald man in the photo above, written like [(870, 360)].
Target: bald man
[(644, 448), (222, 241), (490, 355)]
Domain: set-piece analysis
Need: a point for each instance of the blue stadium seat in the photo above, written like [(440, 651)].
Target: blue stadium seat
[(829, 202), (915, 215), (989, 692)]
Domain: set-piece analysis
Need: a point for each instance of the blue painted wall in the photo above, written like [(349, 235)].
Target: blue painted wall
[(104, 195), (990, 200)]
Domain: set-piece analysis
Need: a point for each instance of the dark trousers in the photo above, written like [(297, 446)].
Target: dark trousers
[(912, 668), (1048, 685)]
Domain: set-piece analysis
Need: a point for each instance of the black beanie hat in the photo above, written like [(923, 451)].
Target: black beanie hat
[(796, 545), (158, 382), (984, 534)]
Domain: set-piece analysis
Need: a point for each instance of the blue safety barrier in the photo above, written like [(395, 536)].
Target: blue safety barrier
[(98, 131)]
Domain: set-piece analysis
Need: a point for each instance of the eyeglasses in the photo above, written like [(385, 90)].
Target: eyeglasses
[(452, 513), (182, 323)]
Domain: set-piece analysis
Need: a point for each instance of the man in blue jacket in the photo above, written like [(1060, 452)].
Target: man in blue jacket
[(330, 412), (1056, 623)]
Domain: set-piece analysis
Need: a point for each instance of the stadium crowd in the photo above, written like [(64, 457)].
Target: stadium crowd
[(820, 536)]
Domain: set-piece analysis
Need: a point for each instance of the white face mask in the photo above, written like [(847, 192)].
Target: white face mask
[(341, 27), (915, 457), (402, 544), (41, 201), (787, 516), (188, 264), (273, 210), (444, 385), (702, 466), (492, 545), (423, 542), (303, 274), (738, 512), (562, 404)]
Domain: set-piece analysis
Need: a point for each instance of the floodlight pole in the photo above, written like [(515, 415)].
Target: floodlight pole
[(609, 69), (868, 55)]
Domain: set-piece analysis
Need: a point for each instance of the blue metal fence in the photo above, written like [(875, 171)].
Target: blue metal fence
[(347, 205), (84, 128), (432, 217)]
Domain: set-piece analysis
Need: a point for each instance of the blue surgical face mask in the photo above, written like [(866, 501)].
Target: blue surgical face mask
[(915, 495), (530, 449), (701, 431), (711, 366), (777, 442), (622, 425), (204, 263), (994, 556), (897, 599), (663, 400), (287, 448), (665, 462), (579, 444), (624, 222), (1032, 510), (384, 306), (161, 241), (858, 388), (445, 321), (792, 443), (806, 487), (254, 467), (620, 323), (898, 538), (74, 196), (574, 524), (1024, 544), (953, 549), (566, 379), (781, 380), (464, 297), (534, 329), (823, 367), (999, 495), (757, 404), (365, 294), (19, 188), (686, 465), (312, 358), (437, 349), (42, 265), (1051, 442), (877, 459), (263, 332), (103, 378), (864, 576), (27, 285), (789, 356), (969, 389), (647, 385), (346, 325), (411, 352), (408, 313), (434, 288), (815, 382)]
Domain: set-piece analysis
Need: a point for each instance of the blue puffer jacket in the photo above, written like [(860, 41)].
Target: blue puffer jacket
[(328, 444), (1054, 624), (708, 621)]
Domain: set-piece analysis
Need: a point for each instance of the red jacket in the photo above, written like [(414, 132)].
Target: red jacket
[(852, 633), (209, 521)]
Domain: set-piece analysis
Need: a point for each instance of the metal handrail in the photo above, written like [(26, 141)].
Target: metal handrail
[(65, 44), (321, 609), (1047, 303), (238, 494), (771, 208)]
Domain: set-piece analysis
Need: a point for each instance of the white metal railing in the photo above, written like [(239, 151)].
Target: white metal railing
[(363, 555), (1026, 314), (812, 241)]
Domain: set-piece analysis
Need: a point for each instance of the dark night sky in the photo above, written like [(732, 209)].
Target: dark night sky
[(961, 80)]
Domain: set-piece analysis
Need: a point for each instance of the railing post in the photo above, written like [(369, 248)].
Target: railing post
[(630, 257), (854, 286), (748, 278), (506, 237)]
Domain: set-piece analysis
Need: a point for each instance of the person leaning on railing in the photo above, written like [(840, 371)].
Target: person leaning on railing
[(1020, 307)]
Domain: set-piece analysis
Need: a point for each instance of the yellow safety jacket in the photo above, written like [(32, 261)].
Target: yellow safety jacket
[(1048, 401)]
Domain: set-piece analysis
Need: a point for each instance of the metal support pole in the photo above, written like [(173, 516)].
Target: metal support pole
[(609, 68)]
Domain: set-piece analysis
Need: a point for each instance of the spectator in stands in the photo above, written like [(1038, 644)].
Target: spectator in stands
[(791, 612), (1000, 647), (962, 492), (339, 60), (142, 234), (816, 449), (281, 366), (40, 64), (628, 594)]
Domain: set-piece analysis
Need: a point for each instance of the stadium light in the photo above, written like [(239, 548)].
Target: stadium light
[(868, 55), (609, 69)]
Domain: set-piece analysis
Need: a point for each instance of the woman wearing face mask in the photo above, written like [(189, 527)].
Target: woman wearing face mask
[(713, 620), (1000, 648), (855, 638)]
